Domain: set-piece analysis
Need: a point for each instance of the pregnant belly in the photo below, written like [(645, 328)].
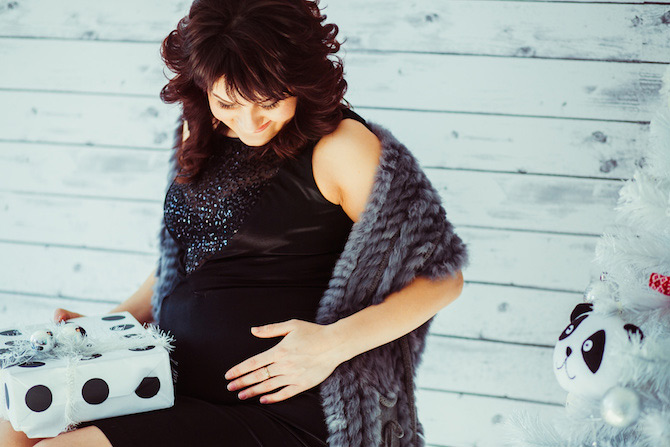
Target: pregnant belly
[(212, 330)]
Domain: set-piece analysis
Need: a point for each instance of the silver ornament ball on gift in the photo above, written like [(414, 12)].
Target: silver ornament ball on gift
[(42, 340), (620, 407), (72, 334)]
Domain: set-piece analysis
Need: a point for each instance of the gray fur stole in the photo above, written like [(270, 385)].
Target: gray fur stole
[(402, 233)]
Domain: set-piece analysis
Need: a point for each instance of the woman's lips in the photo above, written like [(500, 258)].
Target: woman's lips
[(263, 127)]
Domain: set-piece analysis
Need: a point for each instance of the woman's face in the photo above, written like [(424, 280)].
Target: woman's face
[(253, 123)]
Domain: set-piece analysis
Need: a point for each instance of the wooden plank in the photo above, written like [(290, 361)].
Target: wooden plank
[(452, 419), (26, 309), (69, 170), (510, 314), (436, 82), (521, 202), (89, 120), (532, 87), (471, 199), (605, 31), (73, 273), (596, 149), (121, 225), (545, 261), (490, 368)]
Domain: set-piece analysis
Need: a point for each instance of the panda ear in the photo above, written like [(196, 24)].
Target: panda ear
[(633, 330), (580, 309)]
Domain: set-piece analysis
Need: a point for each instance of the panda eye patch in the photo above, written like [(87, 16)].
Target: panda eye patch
[(593, 349), (572, 326)]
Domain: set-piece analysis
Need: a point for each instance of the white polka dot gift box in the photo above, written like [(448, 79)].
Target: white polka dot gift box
[(55, 375)]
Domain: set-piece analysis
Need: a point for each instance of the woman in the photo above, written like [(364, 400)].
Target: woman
[(272, 179)]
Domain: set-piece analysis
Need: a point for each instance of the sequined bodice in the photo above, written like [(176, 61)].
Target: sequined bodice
[(204, 215)]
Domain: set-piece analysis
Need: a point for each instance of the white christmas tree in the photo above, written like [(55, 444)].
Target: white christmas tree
[(613, 357)]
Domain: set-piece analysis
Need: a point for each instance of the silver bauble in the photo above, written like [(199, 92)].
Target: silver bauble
[(71, 334), (42, 340), (620, 406)]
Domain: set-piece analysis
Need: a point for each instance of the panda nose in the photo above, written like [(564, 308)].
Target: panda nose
[(568, 351)]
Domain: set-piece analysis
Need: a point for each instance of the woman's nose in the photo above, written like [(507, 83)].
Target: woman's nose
[(249, 120)]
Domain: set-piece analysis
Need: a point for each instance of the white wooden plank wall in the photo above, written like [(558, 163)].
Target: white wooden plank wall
[(525, 114)]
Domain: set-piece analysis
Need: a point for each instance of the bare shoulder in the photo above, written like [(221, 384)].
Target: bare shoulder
[(345, 163)]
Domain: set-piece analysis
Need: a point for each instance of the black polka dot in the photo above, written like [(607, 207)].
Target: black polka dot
[(91, 357), (149, 387), (113, 318), (122, 327), (146, 348), (6, 396), (17, 343), (38, 398), (95, 391), (31, 364), (131, 335), (4, 351), (11, 332)]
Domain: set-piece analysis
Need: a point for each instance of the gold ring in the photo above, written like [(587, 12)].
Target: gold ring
[(267, 370)]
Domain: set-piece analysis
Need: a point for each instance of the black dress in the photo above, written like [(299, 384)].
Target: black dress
[(260, 254)]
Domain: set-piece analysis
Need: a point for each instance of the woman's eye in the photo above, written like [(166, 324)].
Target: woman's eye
[(271, 106), (228, 106)]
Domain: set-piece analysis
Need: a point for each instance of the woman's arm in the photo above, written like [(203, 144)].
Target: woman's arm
[(352, 144), (139, 303), (399, 313)]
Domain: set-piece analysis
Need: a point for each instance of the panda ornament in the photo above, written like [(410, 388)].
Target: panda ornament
[(586, 363)]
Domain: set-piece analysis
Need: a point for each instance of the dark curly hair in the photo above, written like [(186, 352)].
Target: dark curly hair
[(267, 50)]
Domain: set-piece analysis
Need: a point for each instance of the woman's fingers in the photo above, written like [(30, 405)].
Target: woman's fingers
[(253, 363), (257, 376), (283, 394), (64, 315), (263, 387), (59, 315)]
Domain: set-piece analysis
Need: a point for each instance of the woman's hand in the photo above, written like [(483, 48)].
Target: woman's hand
[(64, 315), (304, 358)]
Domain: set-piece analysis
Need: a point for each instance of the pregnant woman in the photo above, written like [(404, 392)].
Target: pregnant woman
[(300, 245)]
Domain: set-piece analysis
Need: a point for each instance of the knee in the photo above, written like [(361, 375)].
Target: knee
[(50, 442), (12, 438)]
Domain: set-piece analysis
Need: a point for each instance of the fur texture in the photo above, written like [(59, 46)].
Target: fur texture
[(402, 233)]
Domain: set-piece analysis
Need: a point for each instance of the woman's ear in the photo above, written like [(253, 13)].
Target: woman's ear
[(184, 132)]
